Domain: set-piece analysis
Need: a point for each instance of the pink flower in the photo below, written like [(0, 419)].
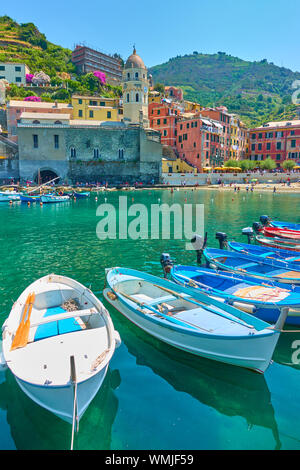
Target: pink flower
[(32, 98), (29, 77), (101, 76)]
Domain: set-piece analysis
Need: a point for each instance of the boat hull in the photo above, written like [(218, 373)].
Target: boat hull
[(29, 198), (54, 199), (60, 400), (222, 349), (266, 311)]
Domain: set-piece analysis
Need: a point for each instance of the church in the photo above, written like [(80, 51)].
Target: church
[(95, 151)]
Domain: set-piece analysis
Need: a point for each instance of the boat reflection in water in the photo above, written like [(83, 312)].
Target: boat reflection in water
[(33, 427), (232, 391)]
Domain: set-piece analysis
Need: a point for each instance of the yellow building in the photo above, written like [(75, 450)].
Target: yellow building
[(96, 108), (154, 97), (190, 106), (176, 166), (238, 138)]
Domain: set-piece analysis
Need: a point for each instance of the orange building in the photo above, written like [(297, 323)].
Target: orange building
[(163, 117)]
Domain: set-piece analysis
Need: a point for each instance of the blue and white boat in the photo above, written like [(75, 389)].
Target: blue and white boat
[(81, 195), (192, 321), (6, 196), (265, 253), (53, 198), (254, 266), (245, 293), (29, 198), (54, 320)]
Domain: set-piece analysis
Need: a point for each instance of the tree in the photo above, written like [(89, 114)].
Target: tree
[(268, 164), (232, 163), (288, 164), (159, 87)]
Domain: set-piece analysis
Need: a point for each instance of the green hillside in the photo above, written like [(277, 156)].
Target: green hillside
[(257, 91), (25, 43)]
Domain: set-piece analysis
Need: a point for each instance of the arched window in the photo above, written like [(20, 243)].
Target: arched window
[(128, 75), (36, 122), (137, 97), (136, 75), (121, 154), (96, 154), (73, 152), (128, 98), (58, 122)]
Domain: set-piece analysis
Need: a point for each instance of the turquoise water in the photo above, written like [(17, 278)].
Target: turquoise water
[(154, 397)]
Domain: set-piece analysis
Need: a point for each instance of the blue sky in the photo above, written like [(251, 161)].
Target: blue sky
[(249, 29)]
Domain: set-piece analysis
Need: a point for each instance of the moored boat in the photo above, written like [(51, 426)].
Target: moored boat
[(81, 195), (251, 295), (57, 342), (284, 233), (193, 322), (53, 198), (278, 243), (265, 253), (280, 271), (267, 221), (9, 196), (29, 198)]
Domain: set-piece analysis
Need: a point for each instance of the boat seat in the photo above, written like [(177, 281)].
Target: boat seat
[(247, 265), (159, 300), (56, 327), (265, 255)]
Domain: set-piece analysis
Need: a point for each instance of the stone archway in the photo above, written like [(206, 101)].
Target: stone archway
[(44, 175)]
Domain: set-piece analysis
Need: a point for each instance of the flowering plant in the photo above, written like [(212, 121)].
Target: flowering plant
[(101, 76), (32, 98), (29, 77)]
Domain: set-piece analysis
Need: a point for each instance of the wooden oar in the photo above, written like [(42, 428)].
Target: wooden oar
[(167, 317), (205, 306), (26, 328), (18, 335)]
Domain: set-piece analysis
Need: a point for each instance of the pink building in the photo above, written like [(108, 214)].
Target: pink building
[(16, 108)]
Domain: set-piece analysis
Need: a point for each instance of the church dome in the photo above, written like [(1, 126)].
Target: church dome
[(134, 61)]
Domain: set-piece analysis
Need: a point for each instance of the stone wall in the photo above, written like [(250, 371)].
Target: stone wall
[(190, 179), (112, 152)]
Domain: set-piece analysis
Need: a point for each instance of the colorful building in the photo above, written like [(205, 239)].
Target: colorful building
[(14, 72), (15, 108), (238, 138), (199, 141), (97, 108), (163, 118), (277, 140)]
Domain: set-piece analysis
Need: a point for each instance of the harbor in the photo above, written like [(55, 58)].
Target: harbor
[(195, 402)]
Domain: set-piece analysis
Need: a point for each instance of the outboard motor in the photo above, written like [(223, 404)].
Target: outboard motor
[(257, 227), (222, 237), (199, 244), (265, 220), (166, 263), (248, 231)]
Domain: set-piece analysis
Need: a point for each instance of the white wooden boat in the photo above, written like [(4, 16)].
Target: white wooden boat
[(52, 198), (6, 196), (60, 351), (194, 322)]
